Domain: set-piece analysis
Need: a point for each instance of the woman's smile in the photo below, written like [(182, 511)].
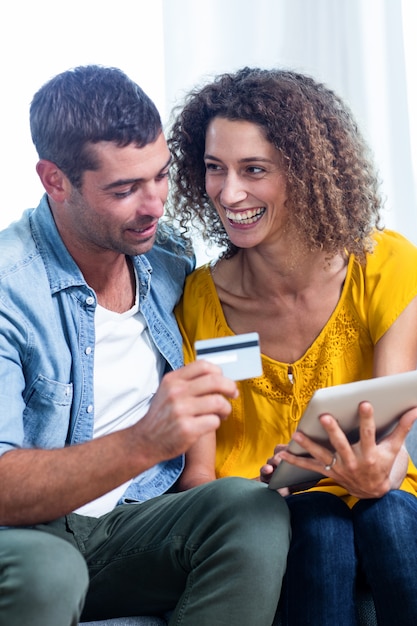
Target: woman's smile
[(245, 217)]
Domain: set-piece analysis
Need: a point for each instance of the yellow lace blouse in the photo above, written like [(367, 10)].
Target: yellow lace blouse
[(269, 407)]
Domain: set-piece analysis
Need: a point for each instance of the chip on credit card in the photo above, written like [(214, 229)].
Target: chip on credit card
[(239, 356)]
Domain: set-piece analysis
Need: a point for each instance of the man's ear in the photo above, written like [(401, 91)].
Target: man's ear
[(56, 184)]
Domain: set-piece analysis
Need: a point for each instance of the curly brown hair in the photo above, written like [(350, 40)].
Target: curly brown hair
[(332, 186)]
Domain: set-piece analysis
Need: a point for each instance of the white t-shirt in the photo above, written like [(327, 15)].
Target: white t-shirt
[(127, 372)]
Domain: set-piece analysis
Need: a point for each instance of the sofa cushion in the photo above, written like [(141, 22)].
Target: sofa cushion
[(128, 621)]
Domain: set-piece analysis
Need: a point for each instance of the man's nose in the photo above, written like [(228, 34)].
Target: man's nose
[(152, 199)]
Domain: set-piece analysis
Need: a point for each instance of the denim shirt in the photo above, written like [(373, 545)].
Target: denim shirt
[(47, 339)]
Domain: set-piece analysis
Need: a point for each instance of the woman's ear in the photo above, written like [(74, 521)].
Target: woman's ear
[(56, 184)]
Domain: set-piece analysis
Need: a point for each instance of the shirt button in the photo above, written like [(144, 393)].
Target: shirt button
[(90, 408), (89, 300), (88, 350)]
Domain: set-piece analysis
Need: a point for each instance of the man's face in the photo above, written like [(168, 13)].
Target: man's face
[(119, 205)]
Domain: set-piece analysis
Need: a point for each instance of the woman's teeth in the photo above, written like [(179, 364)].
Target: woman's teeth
[(245, 217)]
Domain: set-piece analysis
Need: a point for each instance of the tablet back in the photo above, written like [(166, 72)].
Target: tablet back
[(391, 396)]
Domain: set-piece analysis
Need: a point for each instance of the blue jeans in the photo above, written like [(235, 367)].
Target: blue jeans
[(331, 542)]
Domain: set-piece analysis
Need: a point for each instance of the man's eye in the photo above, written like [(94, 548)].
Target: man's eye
[(162, 175), (255, 169), (122, 194)]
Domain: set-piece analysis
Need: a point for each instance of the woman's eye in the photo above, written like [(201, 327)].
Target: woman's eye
[(212, 167), (254, 169)]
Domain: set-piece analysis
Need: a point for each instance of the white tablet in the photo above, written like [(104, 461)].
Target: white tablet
[(391, 396)]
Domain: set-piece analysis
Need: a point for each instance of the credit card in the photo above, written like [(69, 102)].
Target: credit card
[(239, 356)]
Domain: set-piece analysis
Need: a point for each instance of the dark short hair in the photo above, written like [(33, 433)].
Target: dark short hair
[(332, 187), (86, 105)]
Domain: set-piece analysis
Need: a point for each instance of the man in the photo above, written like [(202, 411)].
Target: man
[(96, 410)]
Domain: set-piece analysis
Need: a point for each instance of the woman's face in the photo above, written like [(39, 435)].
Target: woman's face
[(245, 182)]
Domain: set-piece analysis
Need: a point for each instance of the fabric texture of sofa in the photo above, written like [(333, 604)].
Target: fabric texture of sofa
[(129, 621)]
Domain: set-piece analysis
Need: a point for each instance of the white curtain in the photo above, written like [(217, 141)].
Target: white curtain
[(355, 46), (168, 46)]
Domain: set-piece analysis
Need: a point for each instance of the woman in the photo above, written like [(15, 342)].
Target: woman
[(271, 166)]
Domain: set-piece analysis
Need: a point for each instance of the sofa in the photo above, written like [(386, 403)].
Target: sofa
[(129, 621), (365, 605)]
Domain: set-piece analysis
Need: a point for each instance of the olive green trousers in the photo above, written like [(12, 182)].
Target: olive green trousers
[(213, 555)]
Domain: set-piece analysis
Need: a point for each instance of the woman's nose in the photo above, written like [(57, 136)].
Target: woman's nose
[(233, 190)]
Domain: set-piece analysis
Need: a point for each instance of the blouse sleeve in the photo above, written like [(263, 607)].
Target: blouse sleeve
[(390, 280)]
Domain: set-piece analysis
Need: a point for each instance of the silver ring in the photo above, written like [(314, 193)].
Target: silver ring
[(330, 465)]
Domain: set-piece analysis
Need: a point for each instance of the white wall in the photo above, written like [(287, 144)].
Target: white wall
[(41, 39)]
